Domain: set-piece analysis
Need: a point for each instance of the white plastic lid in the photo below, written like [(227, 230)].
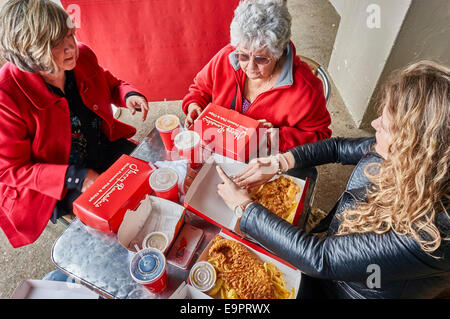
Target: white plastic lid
[(156, 240), (163, 179), (186, 140), (167, 122), (203, 276)]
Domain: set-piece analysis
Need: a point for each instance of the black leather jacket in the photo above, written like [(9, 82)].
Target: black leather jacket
[(348, 266)]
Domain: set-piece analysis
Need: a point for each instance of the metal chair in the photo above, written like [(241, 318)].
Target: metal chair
[(320, 72), (65, 220)]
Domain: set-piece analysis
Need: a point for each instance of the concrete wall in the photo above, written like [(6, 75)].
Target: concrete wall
[(424, 35), (360, 52), (339, 5), (363, 57)]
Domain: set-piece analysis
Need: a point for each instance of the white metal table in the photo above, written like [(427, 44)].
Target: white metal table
[(98, 261)]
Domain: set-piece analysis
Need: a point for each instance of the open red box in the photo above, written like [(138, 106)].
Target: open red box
[(203, 200), (202, 197), (229, 133), (291, 275), (152, 214), (103, 205)]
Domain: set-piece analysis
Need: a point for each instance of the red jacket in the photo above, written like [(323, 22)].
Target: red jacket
[(35, 140), (296, 104)]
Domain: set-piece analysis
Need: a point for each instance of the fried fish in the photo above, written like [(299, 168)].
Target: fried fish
[(240, 269), (279, 196)]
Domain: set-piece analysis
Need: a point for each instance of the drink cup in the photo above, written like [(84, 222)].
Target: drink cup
[(188, 145), (164, 181), (168, 127), (148, 268)]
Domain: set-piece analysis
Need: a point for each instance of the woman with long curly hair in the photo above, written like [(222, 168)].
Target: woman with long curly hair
[(387, 236)]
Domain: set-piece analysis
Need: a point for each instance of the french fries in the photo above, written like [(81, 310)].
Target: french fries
[(278, 282)]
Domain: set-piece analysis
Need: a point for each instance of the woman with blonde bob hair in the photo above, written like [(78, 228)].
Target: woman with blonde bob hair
[(387, 236), (57, 130)]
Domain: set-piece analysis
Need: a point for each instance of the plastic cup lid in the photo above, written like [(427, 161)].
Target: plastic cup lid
[(167, 120), (163, 179), (186, 139), (157, 240), (147, 265), (203, 276)]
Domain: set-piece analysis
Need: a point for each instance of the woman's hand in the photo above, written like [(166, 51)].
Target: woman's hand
[(90, 178), (232, 194), (272, 133), (265, 123), (257, 172), (194, 111), (137, 102)]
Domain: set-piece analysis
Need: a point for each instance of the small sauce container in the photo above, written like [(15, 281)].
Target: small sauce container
[(203, 276), (157, 240)]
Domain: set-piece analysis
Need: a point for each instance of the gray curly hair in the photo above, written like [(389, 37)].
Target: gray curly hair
[(29, 29), (261, 24)]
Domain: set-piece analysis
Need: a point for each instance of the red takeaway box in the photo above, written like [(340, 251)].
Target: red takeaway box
[(229, 133), (103, 205), (203, 200)]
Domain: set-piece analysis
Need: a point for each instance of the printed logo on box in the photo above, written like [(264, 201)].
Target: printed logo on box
[(114, 183)]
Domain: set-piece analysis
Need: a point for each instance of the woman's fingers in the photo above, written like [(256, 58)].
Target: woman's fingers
[(260, 166), (137, 103), (250, 173), (251, 166), (191, 116), (132, 108), (223, 176), (145, 108), (265, 123), (231, 194), (188, 122), (252, 181), (140, 104)]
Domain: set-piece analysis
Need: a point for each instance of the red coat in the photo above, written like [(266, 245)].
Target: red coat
[(35, 140), (296, 104)]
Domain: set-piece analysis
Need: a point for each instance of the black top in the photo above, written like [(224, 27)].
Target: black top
[(363, 265), (87, 136)]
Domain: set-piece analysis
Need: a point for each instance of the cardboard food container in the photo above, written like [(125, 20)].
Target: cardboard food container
[(203, 200), (229, 133), (291, 275), (152, 214), (103, 205), (185, 246), (48, 289), (186, 291)]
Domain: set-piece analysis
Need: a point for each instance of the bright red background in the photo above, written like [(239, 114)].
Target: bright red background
[(158, 46)]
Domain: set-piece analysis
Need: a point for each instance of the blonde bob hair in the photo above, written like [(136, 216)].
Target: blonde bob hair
[(29, 29), (412, 186)]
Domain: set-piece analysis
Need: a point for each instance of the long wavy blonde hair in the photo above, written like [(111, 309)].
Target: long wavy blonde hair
[(413, 182)]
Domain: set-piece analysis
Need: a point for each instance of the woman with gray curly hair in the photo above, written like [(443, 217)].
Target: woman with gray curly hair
[(57, 130), (259, 74)]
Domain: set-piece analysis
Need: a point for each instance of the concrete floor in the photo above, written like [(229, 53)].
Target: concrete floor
[(315, 23)]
